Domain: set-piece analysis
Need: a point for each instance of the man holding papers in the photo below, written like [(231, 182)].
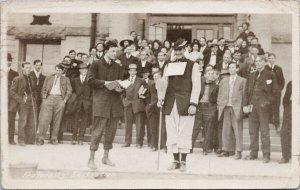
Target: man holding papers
[(134, 107), (107, 105), (180, 104)]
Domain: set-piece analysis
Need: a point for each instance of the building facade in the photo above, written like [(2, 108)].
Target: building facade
[(50, 37)]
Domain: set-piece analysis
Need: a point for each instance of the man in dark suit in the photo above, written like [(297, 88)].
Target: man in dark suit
[(12, 109), (38, 78), (83, 105), (143, 63), (212, 57), (248, 65), (24, 95), (260, 89), (161, 61), (107, 103), (207, 112), (271, 66), (126, 59), (55, 93), (223, 64), (152, 110), (134, 107), (286, 131), (222, 47)]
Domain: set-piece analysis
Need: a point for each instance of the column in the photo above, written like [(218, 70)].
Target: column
[(119, 26)]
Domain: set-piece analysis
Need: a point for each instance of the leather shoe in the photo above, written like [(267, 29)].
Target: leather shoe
[(60, 142), (283, 161), (182, 166), (41, 142), (125, 145), (238, 156), (80, 143), (54, 142), (224, 154), (154, 149), (250, 157), (219, 151), (175, 165), (73, 142), (231, 153), (138, 146), (266, 159)]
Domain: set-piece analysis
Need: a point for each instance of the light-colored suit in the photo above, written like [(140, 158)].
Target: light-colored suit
[(231, 109), (238, 95)]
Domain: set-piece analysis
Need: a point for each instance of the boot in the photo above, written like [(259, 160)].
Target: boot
[(91, 163), (106, 160), (175, 165), (238, 155)]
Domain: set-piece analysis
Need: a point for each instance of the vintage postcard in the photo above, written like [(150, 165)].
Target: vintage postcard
[(149, 94)]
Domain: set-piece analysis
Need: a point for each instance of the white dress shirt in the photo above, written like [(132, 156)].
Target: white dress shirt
[(56, 86), (213, 59), (231, 85), (82, 78)]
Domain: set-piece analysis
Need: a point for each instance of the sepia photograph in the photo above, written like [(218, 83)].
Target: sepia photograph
[(149, 94)]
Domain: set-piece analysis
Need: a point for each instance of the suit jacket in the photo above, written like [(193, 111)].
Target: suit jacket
[(266, 88), (138, 104), (106, 103), (17, 92), (140, 68), (10, 77), (221, 52), (161, 68), (207, 58), (152, 99), (238, 95), (39, 82), (84, 95), (279, 75), (213, 91), (245, 67), (288, 93), (126, 62), (65, 87)]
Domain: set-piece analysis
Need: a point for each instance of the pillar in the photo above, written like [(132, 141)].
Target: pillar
[(119, 26)]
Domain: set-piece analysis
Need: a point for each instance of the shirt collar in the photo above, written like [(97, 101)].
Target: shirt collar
[(107, 60), (37, 74)]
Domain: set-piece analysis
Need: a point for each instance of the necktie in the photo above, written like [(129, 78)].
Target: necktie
[(56, 78), (82, 79)]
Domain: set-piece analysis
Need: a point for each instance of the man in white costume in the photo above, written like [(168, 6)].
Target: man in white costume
[(180, 103)]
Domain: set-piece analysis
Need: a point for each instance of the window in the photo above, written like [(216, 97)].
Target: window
[(208, 34), (155, 33), (227, 32)]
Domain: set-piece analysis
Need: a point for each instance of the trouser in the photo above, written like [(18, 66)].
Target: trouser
[(144, 128), (52, 110), (101, 125), (11, 126), (26, 128), (259, 121), (154, 127), (286, 132), (231, 146), (274, 114), (232, 126), (139, 123), (163, 139), (205, 120), (82, 122)]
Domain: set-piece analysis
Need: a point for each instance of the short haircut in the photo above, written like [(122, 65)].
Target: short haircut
[(203, 38), (220, 39), (157, 72), (233, 63), (132, 31), (67, 57), (84, 54), (79, 53), (37, 61), (207, 69), (99, 43), (59, 66), (162, 52), (262, 57), (145, 52), (254, 38), (109, 44), (91, 48), (71, 51), (238, 51), (271, 54), (247, 23), (25, 63)]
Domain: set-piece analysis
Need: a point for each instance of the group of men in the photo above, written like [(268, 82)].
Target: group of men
[(211, 95)]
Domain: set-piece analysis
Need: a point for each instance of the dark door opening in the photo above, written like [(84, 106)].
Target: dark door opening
[(175, 31)]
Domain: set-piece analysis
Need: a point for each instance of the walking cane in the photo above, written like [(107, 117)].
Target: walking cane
[(34, 113), (161, 87)]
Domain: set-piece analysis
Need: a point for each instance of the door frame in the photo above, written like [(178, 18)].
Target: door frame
[(213, 27)]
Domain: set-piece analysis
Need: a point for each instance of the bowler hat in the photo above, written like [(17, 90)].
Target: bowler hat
[(145, 70)]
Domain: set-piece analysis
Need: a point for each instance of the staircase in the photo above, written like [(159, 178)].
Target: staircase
[(120, 137)]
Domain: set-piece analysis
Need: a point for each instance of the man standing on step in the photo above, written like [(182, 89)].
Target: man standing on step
[(230, 103), (180, 104), (260, 89), (107, 103)]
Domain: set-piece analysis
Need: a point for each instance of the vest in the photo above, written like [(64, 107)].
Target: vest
[(179, 89)]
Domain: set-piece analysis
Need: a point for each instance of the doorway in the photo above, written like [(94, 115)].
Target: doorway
[(175, 31), (48, 51)]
